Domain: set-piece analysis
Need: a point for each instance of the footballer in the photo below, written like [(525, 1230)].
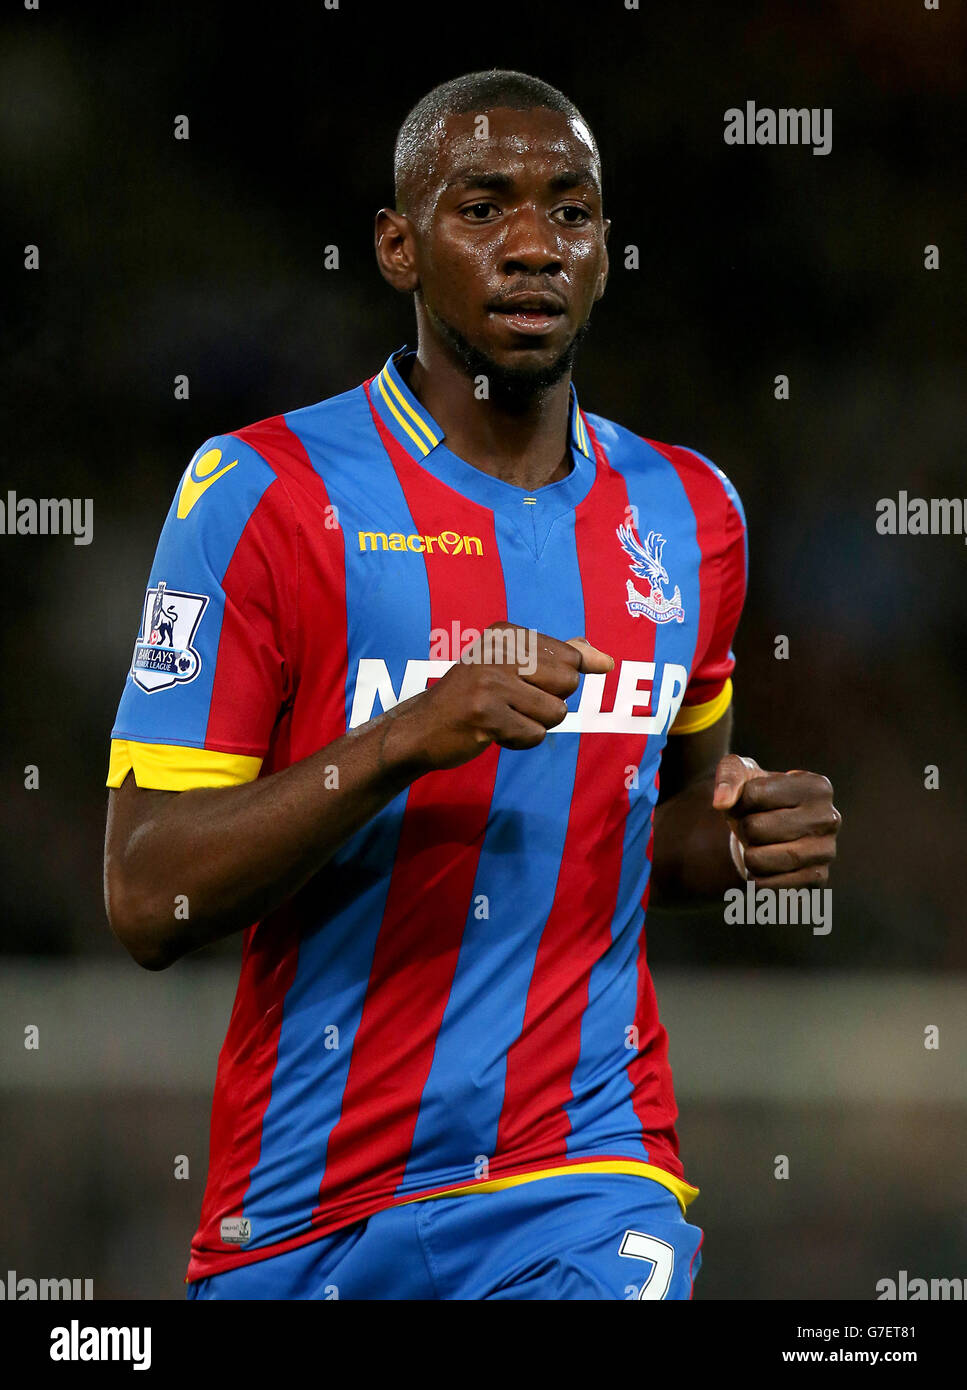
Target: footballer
[(411, 663)]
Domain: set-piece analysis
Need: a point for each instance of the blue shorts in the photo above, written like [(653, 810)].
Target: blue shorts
[(590, 1236)]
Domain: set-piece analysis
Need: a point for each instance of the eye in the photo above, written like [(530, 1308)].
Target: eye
[(572, 215), (479, 212)]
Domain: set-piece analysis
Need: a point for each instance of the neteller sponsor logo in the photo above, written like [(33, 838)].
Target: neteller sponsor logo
[(446, 543), (637, 682)]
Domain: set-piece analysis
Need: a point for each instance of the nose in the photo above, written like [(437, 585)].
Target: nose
[(530, 244)]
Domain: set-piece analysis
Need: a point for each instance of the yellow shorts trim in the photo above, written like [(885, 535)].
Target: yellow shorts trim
[(682, 1190), (691, 719), (169, 767)]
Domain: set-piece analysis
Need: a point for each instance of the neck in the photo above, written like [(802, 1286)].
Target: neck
[(522, 443)]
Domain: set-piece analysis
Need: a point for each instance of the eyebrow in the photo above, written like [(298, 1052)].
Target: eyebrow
[(480, 178), (574, 178), (502, 183)]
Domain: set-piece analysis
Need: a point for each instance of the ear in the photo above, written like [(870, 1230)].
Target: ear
[(396, 251), (605, 264)]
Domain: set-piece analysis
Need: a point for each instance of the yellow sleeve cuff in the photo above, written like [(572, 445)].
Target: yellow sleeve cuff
[(691, 719), (168, 767)]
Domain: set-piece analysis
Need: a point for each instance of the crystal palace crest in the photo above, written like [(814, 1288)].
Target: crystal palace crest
[(646, 563)]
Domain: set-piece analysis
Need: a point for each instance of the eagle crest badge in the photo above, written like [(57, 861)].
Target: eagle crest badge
[(646, 563)]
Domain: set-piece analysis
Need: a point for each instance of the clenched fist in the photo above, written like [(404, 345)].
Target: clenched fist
[(784, 824), (509, 687)]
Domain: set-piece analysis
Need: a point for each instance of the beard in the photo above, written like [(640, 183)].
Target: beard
[(514, 388)]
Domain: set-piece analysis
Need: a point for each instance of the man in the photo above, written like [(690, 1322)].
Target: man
[(434, 635)]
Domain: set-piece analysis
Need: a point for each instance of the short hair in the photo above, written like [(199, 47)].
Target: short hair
[(475, 91)]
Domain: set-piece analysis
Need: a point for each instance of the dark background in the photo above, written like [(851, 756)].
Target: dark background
[(204, 257)]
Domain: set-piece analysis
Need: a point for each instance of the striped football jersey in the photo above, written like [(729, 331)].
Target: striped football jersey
[(460, 999)]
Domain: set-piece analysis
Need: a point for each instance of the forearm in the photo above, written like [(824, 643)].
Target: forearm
[(691, 860), (225, 857)]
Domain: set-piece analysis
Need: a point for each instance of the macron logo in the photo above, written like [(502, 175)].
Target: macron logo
[(634, 696), (76, 1343)]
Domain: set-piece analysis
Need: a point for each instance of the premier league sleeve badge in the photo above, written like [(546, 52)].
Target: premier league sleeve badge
[(163, 654)]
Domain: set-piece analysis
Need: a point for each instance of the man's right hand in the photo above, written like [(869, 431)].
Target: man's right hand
[(509, 687), (237, 853)]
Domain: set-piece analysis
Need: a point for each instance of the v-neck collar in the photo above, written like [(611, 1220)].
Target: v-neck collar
[(415, 429)]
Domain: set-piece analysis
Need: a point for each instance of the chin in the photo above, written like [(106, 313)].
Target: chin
[(516, 374), (528, 357)]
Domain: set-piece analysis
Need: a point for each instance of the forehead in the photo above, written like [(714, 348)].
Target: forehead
[(535, 141)]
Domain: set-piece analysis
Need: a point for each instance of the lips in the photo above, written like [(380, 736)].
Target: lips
[(543, 305), (529, 313)]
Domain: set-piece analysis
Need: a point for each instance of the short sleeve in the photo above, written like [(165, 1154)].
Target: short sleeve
[(721, 527), (209, 671)]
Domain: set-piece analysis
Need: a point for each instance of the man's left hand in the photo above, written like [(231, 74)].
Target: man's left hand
[(785, 824)]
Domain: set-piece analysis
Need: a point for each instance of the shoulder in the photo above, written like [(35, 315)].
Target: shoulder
[(264, 462), (224, 471), (705, 483)]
